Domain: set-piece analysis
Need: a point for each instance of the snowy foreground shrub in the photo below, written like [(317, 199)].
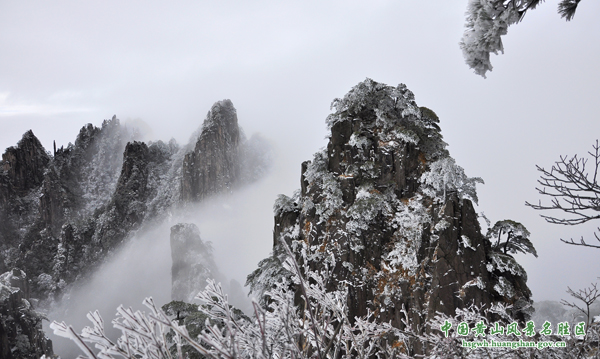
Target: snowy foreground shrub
[(320, 329), (290, 327)]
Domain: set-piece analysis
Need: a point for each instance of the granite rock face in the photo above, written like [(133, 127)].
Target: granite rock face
[(385, 207), (193, 262), (53, 214), (25, 164), (21, 174), (125, 212), (63, 214), (214, 164), (21, 335)]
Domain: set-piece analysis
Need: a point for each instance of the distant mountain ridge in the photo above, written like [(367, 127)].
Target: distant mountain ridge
[(63, 213)]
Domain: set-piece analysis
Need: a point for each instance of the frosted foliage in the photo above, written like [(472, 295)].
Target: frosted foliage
[(387, 102), (477, 282), (487, 21), (320, 329), (46, 283), (15, 274), (506, 264), (359, 141), (284, 204), (504, 288), (269, 272), (5, 284), (408, 222), (441, 225), (445, 175), (403, 135), (6, 291), (367, 205), (390, 113), (466, 242), (324, 183)]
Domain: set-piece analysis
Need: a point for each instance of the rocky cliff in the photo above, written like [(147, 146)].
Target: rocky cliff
[(63, 214), (25, 164), (21, 335), (51, 216), (66, 212), (213, 165), (388, 211), (193, 262)]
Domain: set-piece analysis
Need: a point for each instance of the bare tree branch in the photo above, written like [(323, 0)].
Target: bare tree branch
[(587, 295), (573, 190)]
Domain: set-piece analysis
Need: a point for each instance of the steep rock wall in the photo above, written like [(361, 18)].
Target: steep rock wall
[(213, 166), (62, 215), (21, 335), (388, 212), (193, 262), (26, 163)]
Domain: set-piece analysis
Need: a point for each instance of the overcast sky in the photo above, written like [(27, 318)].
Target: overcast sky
[(163, 64)]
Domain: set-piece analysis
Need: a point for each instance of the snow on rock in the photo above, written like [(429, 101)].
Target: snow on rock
[(21, 335), (387, 211), (222, 158), (67, 213), (193, 262)]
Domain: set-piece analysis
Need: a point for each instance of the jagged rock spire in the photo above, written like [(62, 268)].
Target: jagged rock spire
[(25, 164), (389, 213), (193, 262), (213, 166)]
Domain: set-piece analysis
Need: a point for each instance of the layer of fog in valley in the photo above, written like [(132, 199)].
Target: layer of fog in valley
[(235, 225)]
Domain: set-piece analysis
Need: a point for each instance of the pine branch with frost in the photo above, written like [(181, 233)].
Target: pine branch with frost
[(508, 236), (388, 103), (445, 176), (487, 21), (142, 335), (320, 328)]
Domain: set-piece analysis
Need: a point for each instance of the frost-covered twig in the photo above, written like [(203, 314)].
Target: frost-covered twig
[(573, 191), (320, 329)]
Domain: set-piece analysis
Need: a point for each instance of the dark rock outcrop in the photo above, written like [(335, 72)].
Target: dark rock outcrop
[(193, 262), (25, 164), (43, 194), (459, 273), (21, 335), (126, 210), (82, 177), (213, 166), (63, 215), (386, 208)]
